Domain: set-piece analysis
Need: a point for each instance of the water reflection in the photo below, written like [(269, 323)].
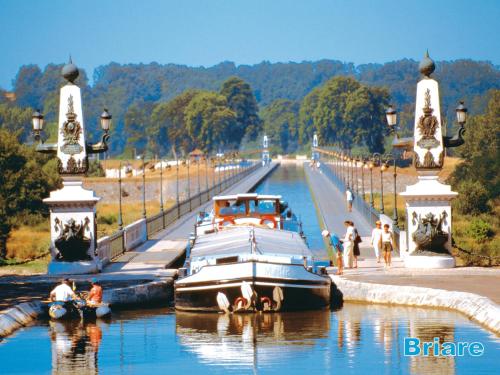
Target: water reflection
[(75, 346), (249, 340), (357, 339)]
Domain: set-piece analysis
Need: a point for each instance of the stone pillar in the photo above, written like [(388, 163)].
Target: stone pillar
[(72, 208), (428, 202), (73, 229)]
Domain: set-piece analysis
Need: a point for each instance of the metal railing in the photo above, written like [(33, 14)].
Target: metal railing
[(360, 204), (134, 234)]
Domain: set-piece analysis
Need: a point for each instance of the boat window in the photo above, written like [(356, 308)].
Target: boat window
[(267, 207), (252, 207), (232, 208)]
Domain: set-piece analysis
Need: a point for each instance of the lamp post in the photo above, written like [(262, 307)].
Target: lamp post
[(386, 165), (120, 217), (377, 157), (161, 186), (143, 186), (363, 166), (188, 184), (351, 169), (371, 164), (206, 171), (355, 161), (198, 173)]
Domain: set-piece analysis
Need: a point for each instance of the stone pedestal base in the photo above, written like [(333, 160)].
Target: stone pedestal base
[(73, 268), (425, 261)]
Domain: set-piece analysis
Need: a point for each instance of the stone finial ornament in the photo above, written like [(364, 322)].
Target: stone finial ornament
[(70, 71), (427, 65)]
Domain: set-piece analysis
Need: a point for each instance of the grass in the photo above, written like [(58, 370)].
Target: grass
[(34, 267)]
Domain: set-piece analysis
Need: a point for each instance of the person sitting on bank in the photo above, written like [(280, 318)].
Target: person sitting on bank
[(337, 246), (63, 292), (387, 245), (95, 293)]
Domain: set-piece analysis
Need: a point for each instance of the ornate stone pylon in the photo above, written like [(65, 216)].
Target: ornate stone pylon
[(72, 208), (428, 202)]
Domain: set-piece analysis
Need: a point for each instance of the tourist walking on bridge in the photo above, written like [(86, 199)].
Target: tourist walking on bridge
[(376, 240), (337, 247), (387, 245), (349, 198), (356, 241), (348, 244)]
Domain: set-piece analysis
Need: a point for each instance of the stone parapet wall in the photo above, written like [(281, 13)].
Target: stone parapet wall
[(476, 307)]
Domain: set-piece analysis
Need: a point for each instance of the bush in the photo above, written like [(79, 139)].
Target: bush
[(95, 169), (480, 230), (473, 199), (106, 219)]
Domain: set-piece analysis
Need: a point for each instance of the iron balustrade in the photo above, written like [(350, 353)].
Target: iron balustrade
[(113, 246)]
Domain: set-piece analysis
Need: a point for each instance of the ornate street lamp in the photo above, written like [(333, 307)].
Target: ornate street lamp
[(392, 117), (37, 119), (457, 139)]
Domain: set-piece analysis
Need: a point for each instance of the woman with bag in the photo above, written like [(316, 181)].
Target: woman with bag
[(357, 241)]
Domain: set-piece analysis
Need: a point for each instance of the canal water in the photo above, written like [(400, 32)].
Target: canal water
[(357, 339), (289, 181), (360, 339)]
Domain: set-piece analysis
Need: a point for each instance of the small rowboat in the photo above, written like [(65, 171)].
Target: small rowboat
[(78, 309)]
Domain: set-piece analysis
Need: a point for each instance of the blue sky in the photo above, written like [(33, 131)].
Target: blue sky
[(196, 33)]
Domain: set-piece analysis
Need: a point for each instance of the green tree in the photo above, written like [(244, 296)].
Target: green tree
[(138, 129), (26, 179), (306, 123), (241, 100), (209, 120), (281, 123), (169, 117), (16, 120), (481, 151)]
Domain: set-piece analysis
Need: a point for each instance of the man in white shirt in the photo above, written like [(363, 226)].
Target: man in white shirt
[(349, 197), (376, 240), (62, 292)]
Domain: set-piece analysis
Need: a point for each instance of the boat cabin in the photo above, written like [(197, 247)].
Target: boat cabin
[(248, 209)]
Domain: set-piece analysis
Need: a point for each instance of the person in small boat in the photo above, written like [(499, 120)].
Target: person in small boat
[(95, 293), (337, 246), (63, 292)]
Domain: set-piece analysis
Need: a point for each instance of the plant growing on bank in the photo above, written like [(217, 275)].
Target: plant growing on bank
[(25, 179)]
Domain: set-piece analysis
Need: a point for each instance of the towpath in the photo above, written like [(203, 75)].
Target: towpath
[(331, 206)]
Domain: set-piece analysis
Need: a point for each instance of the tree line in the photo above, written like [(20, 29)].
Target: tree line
[(143, 86)]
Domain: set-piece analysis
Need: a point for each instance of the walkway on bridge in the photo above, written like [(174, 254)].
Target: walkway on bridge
[(166, 247), (332, 206)]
